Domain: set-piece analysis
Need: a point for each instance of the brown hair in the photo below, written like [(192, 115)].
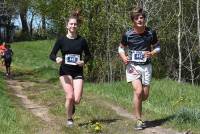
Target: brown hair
[(75, 15), (136, 12)]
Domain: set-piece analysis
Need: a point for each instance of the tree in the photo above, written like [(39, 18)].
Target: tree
[(179, 41), (198, 24), (23, 9)]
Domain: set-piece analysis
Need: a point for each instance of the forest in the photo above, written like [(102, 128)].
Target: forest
[(177, 24)]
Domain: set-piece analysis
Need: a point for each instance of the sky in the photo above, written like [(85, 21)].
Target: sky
[(36, 22)]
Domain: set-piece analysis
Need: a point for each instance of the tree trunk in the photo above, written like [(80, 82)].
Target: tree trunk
[(108, 52), (31, 24), (179, 41), (191, 69), (25, 29), (198, 25)]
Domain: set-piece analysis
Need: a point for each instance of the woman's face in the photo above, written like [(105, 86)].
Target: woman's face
[(72, 25), (139, 21)]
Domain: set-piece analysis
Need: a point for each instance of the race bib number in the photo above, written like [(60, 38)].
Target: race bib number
[(71, 59), (138, 56)]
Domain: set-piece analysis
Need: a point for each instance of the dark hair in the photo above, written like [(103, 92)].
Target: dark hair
[(136, 12), (75, 15)]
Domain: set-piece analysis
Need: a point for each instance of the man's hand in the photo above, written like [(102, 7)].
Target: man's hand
[(149, 54), (125, 60)]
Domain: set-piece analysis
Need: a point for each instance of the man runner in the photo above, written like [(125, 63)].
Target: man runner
[(142, 45)]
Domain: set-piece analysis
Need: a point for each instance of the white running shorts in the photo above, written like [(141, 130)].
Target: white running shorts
[(143, 72)]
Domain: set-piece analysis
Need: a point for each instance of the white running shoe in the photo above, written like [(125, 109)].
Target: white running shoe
[(70, 123)]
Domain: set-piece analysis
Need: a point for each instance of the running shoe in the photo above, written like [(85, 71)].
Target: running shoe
[(70, 122), (140, 125)]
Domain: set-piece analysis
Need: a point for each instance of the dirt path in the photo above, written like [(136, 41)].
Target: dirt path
[(150, 130), (38, 110), (52, 126)]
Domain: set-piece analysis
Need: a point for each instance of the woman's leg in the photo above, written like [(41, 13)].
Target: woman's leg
[(78, 90), (67, 84)]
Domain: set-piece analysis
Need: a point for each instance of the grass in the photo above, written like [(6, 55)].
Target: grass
[(176, 104), (33, 58), (13, 118), (167, 99)]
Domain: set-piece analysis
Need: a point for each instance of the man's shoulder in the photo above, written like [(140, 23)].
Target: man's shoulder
[(128, 32), (150, 30)]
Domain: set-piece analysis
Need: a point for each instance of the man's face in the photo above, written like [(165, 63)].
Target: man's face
[(139, 21)]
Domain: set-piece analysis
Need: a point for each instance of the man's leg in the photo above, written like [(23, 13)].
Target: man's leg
[(145, 93), (138, 90), (139, 95)]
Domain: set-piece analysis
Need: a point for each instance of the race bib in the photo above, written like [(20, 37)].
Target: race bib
[(71, 59), (138, 56)]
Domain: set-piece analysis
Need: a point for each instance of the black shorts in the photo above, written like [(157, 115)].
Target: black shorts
[(76, 74)]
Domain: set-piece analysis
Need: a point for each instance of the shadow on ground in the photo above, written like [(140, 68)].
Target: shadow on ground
[(158, 122), (104, 121)]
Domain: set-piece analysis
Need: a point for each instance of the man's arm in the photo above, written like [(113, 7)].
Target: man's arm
[(122, 54), (156, 48)]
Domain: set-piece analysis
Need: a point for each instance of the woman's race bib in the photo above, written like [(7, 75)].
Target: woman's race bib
[(71, 59), (138, 56)]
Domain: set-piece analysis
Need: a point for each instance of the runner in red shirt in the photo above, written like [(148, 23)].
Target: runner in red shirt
[(2, 50)]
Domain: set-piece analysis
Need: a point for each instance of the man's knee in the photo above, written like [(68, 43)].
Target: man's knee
[(145, 94), (145, 97), (138, 94)]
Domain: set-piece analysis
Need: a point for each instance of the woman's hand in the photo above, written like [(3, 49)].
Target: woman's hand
[(80, 63), (59, 60)]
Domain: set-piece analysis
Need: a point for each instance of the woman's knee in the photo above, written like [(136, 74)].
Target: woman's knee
[(70, 98), (77, 100)]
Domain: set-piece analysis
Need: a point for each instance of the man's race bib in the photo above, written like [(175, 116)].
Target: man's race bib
[(137, 56), (71, 59)]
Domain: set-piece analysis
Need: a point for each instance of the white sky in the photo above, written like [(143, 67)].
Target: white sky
[(36, 22)]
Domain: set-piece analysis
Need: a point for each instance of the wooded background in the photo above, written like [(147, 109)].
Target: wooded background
[(176, 22)]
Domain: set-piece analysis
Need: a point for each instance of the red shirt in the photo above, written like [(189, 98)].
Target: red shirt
[(2, 48)]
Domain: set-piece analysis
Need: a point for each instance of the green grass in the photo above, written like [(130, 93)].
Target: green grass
[(33, 58), (13, 118), (176, 104), (167, 99)]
